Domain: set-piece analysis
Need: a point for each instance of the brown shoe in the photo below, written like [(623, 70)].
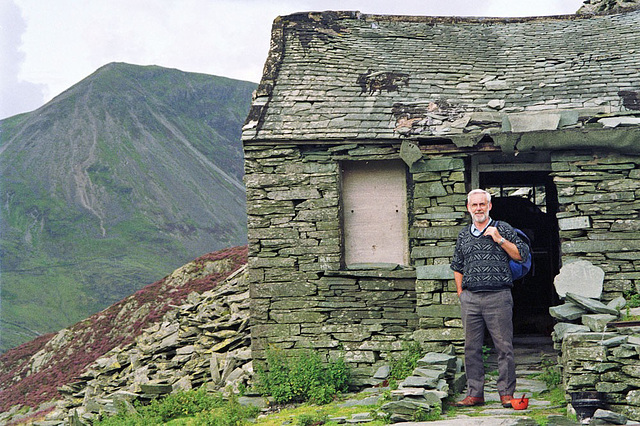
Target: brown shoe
[(470, 401), (505, 400)]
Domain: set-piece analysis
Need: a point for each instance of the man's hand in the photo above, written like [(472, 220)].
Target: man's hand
[(508, 246), (457, 276), (492, 231)]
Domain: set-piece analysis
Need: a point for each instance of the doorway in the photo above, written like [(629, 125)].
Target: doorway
[(526, 197)]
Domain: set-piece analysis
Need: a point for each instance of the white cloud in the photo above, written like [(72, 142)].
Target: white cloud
[(16, 95), (63, 41)]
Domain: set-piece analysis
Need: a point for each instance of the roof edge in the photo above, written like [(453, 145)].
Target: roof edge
[(329, 15)]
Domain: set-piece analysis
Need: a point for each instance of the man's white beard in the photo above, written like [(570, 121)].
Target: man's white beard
[(480, 217)]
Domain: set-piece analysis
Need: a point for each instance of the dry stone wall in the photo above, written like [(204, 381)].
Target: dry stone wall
[(439, 201), (604, 362), (599, 215), (302, 297)]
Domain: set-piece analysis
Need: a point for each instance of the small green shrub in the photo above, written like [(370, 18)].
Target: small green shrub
[(300, 378), (309, 419), (423, 415), (403, 366), (486, 352), (632, 298), (208, 409), (230, 414), (183, 404), (551, 375)]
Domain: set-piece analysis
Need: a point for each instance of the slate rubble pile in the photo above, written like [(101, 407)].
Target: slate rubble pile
[(205, 341), (436, 376)]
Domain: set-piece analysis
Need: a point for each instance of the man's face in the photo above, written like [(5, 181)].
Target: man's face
[(479, 208)]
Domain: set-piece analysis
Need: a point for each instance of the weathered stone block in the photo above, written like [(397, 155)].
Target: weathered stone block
[(609, 387), (426, 176), (406, 406), (590, 304), (439, 334), (425, 252), (625, 225), (633, 398), (428, 286), (275, 330), (436, 233), (436, 359), (566, 312), (583, 380), (316, 342), (429, 189), (592, 353), (327, 214), (597, 322), (261, 180), (571, 223), (271, 262), (273, 233), (387, 285), (382, 372), (562, 329), (360, 356), (439, 311), (294, 194), (624, 352), (437, 165), (297, 317), (430, 372), (434, 272), (631, 370), (600, 367), (600, 246), (419, 382)]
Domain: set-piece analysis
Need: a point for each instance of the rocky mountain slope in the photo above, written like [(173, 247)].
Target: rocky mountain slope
[(114, 183), (165, 335)]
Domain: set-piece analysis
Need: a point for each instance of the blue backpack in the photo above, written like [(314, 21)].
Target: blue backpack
[(520, 269)]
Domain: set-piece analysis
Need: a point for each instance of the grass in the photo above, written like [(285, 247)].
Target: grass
[(293, 414), (311, 414), (301, 413)]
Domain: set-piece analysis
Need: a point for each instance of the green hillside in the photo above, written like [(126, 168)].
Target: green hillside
[(113, 184)]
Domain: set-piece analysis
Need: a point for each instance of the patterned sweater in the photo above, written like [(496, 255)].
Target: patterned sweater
[(484, 265)]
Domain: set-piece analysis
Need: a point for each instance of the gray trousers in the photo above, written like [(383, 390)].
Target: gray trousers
[(493, 310)]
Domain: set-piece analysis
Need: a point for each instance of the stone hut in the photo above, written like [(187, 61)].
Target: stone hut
[(367, 131)]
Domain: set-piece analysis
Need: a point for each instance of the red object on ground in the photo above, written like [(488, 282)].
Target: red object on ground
[(520, 403)]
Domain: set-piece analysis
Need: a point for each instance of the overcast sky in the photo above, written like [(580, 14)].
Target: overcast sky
[(47, 46)]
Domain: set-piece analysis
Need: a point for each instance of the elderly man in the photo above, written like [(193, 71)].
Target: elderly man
[(483, 280)]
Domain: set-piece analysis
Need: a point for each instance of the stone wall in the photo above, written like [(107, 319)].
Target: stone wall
[(604, 362), (599, 215), (439, 201), (302, 295)]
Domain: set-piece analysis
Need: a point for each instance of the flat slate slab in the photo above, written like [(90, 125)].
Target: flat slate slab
[(591, 305), (567, 312)]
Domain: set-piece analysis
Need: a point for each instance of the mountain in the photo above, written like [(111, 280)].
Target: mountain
[(113, 184), (202, 305)]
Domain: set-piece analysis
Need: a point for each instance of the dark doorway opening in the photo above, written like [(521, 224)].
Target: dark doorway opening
[(529, 201)]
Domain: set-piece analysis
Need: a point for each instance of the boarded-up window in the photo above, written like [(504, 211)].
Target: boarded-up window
[(374, 201)]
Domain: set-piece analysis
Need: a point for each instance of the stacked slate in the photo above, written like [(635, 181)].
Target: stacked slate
[(205, 341), (436, 376), (598, 355)]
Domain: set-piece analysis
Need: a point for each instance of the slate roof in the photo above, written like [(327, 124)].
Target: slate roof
[(347, 75)]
